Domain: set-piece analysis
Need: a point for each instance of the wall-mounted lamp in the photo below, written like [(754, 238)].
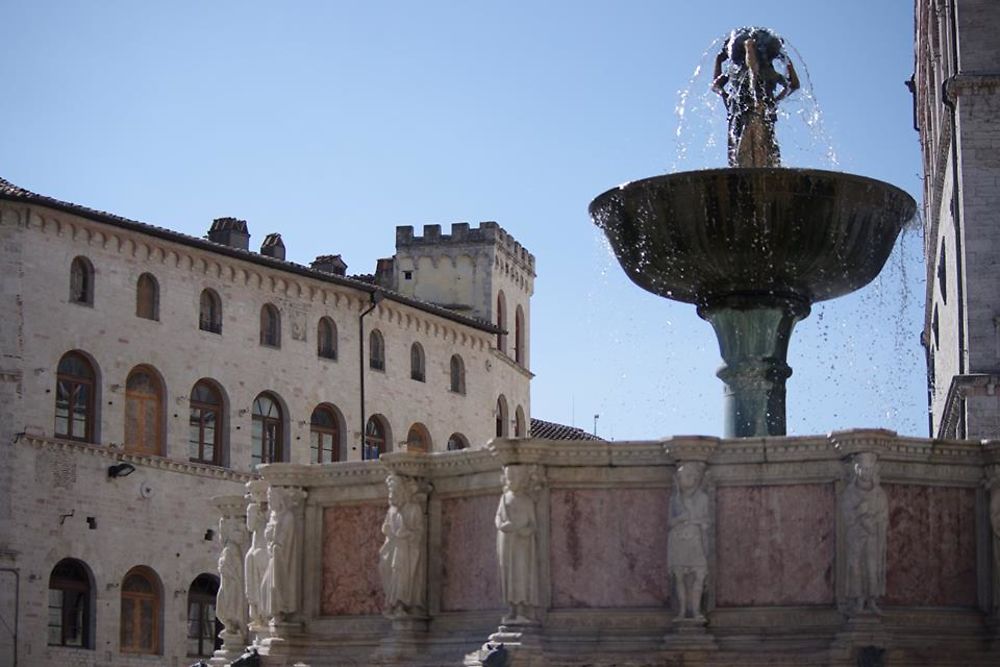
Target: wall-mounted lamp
[(120, 470)]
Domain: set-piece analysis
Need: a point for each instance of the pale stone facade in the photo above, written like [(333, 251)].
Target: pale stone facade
[(807, 551), (57, 499), (957, 102)]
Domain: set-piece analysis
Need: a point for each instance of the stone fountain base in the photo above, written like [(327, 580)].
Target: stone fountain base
[(781, 554)]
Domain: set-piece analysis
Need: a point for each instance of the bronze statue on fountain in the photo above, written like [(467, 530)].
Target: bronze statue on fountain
[(750, 91)]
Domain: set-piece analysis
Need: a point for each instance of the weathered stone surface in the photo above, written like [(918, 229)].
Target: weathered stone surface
[(470, 575), (931, 557), (352, 537), (775, 545), (609, 548)]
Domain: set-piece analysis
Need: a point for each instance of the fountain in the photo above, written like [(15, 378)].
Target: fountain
[(754, 245)]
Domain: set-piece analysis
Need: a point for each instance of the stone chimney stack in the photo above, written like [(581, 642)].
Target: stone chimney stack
[(273, 246), (330, 264), (385, 272), (231, 232)]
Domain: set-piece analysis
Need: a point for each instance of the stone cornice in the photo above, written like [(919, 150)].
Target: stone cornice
[(224, 263), (139, 460), (348, 473)]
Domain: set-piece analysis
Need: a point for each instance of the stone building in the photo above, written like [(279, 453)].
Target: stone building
[(145, 371), (956, 88)]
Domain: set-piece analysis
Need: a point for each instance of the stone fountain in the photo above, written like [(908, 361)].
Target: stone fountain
[(753, 246)]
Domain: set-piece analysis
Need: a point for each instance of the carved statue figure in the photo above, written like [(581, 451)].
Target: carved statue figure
[(749, 90), (231, 601), (687, 539), (255, 561), (517, 544), (401, 558), (995, 524), (279, 590), (865, 513)]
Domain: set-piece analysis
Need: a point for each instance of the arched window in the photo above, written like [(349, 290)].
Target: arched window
[(81, 281), (457, 374), (457, 441), (270, 326), (417, 362), (140, 619), (147, 297), (418, 439), (376, 351), (268, 430), (503, 429), (210, 312), (519, 351), (202, 627), (75, 404), (519, 430), (205, 424), (502, 321), (144, 412), (70, 605), (376, 438), (326, 338), (324, 435)]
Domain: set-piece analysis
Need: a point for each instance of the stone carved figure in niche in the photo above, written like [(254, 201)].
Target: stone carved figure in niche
[(401, 558), (864, 510), (231, 601), (687, 539), (995, 525), (517, 543), (279, 590), (749, 89), (255, 561)]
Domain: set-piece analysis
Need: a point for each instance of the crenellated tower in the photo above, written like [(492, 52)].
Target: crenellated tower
[(480, 271)]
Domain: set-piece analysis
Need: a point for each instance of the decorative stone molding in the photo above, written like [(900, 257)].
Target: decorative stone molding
[(145, 460)]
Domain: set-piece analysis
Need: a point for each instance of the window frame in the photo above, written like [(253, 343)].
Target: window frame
[(203, 408), (269, 425), (377, 442), (502, 321), (155, 600), (502, 412), (204, 601), (74, 383), (84, 588), (376, 351), (138, 402), (456, 373), (270, 330), (212, 321), (418, 365), (460, 439), (316, 430), (418, 433), (82, 294), (147, 297), (326, 338)]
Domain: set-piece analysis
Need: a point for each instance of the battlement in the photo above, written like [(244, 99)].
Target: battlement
[(487, 233)]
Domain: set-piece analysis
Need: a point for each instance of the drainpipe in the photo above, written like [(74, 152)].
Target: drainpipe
[(375, 297), (17, 605), (956, 186)]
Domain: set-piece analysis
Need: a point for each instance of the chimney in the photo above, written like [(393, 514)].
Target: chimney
[(330, 264), (231, 232), (384, 270), (272, 246)]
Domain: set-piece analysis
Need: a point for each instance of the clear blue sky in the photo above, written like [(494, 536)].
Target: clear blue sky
[(333, 122)]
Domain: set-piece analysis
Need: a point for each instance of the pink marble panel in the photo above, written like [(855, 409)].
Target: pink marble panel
[(470, 575), (609, 548), (352, 536), (775, 545), (931, 546)]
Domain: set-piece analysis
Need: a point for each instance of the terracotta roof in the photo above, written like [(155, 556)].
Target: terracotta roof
[(553, 431), (12, 192)]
